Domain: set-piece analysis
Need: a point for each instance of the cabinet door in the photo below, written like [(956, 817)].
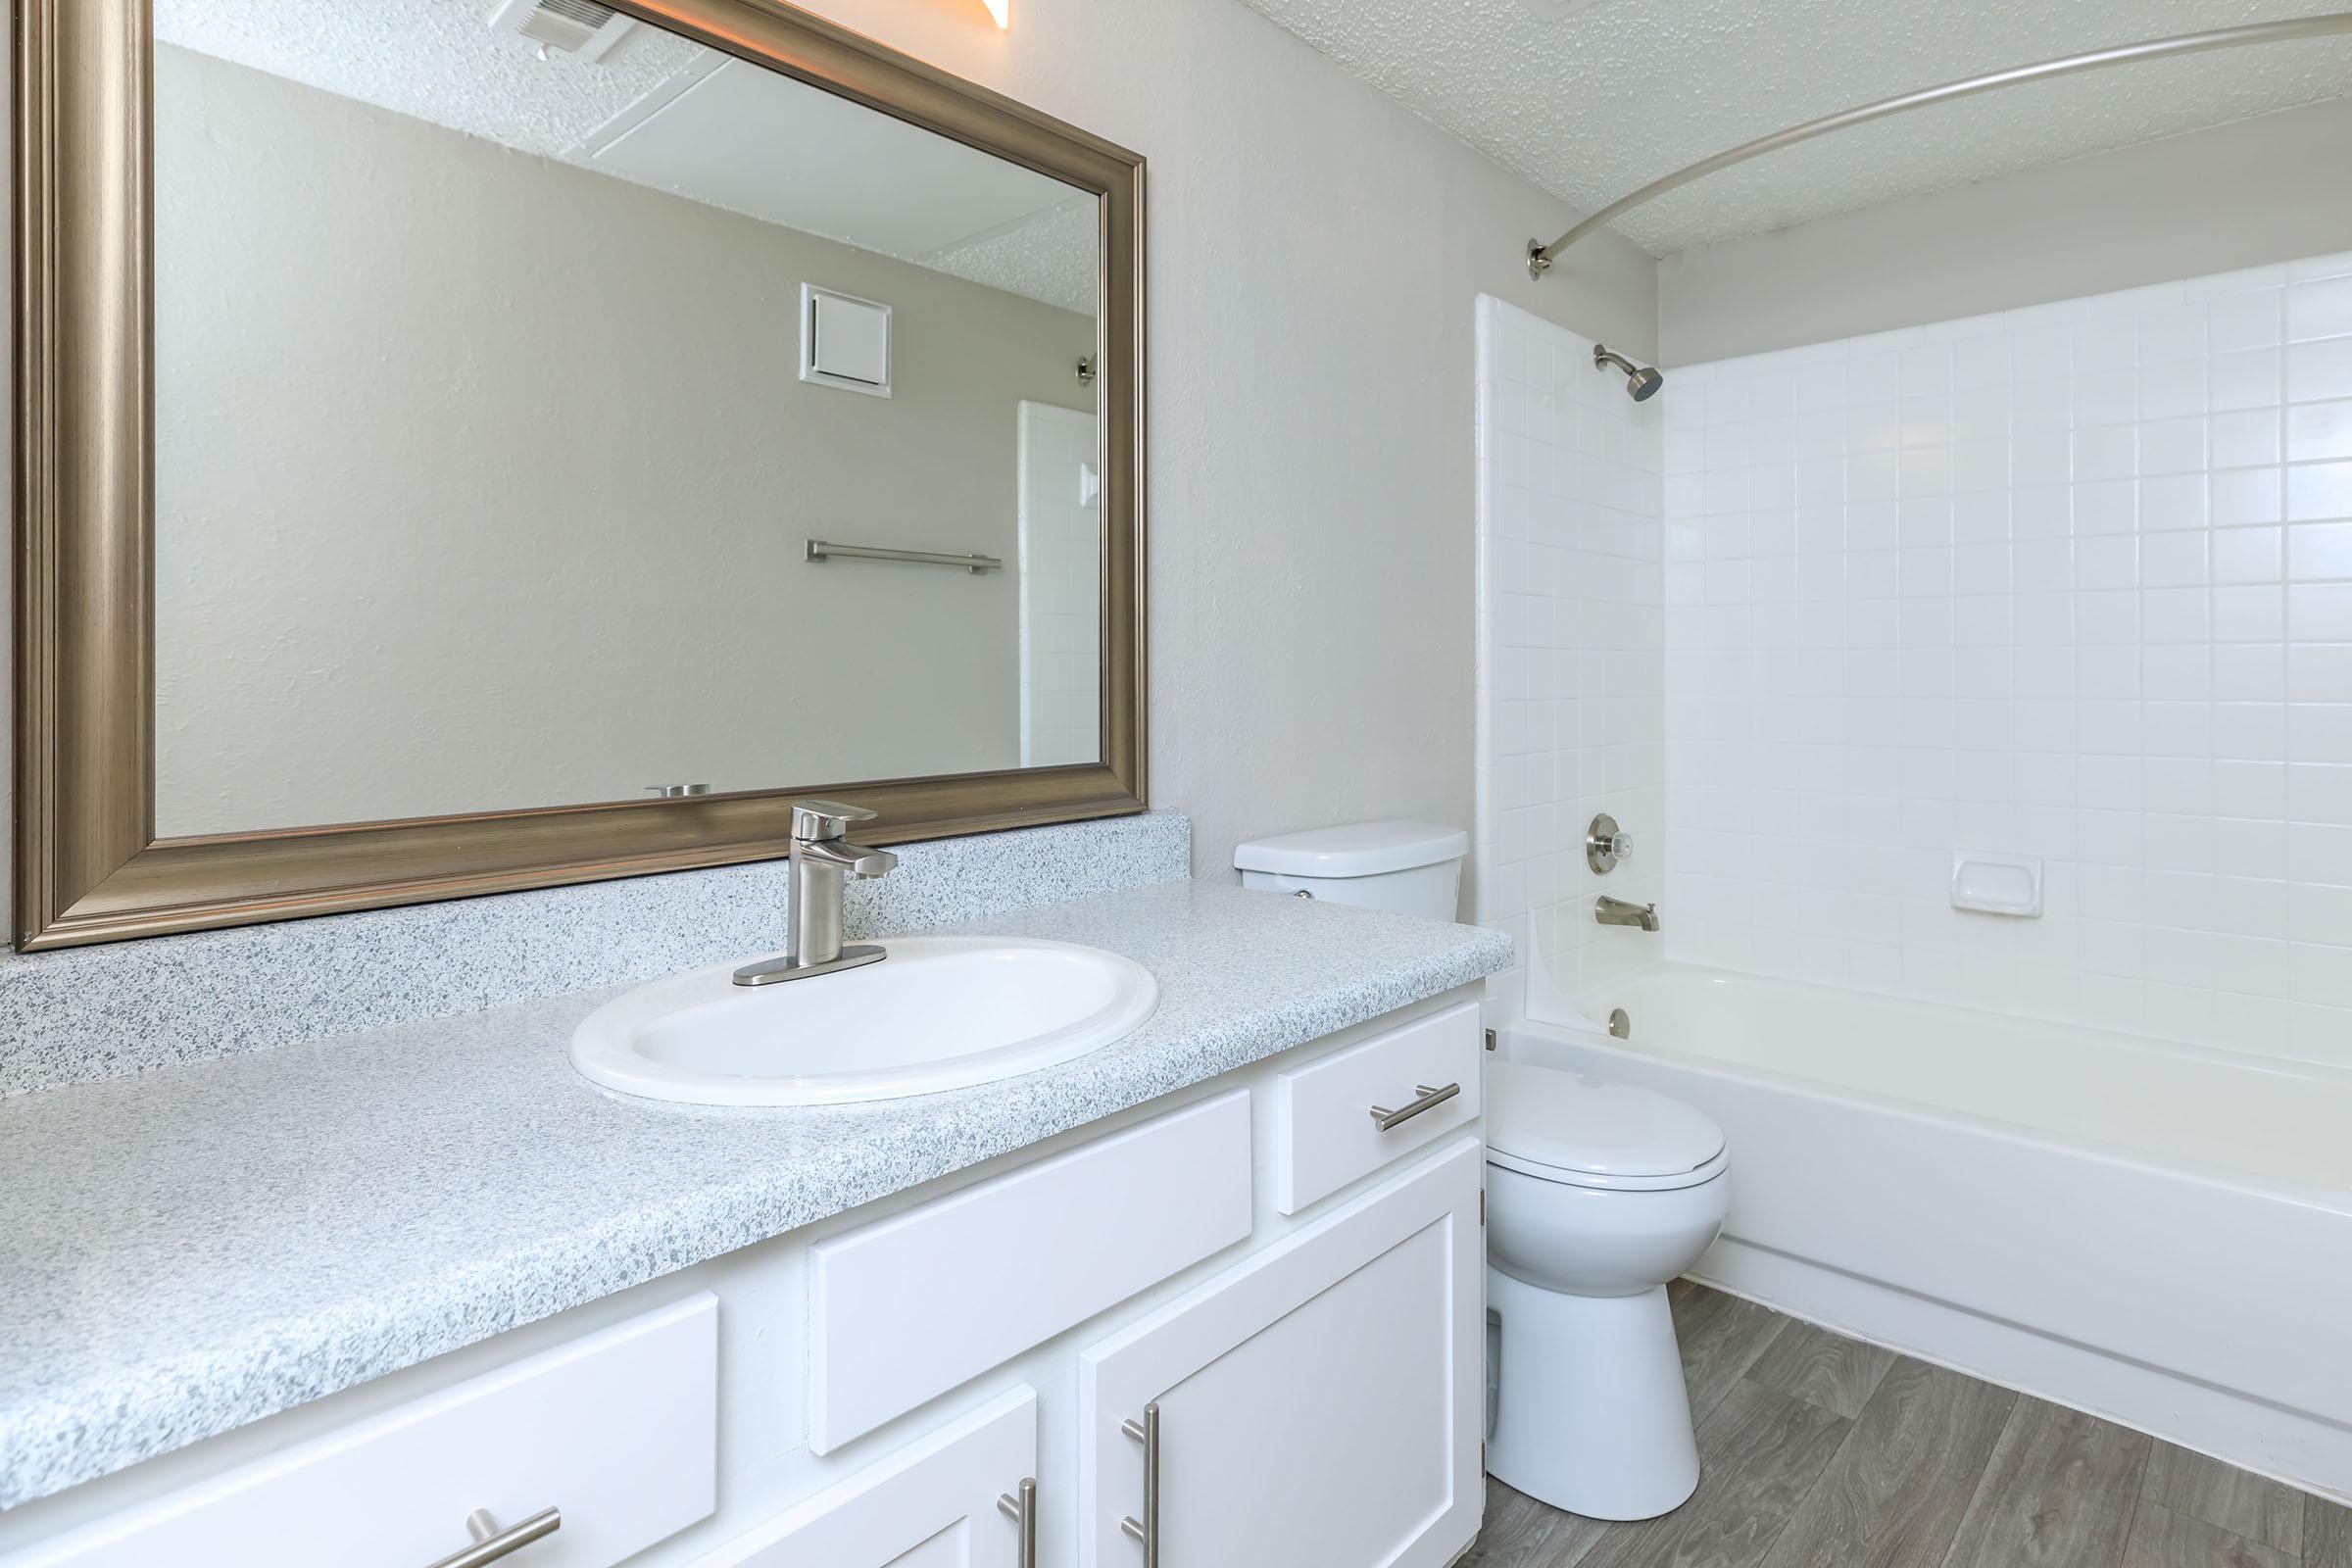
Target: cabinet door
[(932, 1504), (1318, 1405)]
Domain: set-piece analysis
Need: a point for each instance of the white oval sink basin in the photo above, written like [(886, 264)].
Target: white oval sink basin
[(940, 1013)]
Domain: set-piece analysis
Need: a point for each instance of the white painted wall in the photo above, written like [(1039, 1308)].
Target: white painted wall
[(2074, 582), (482, 481), (1314, 253), (2261, 190), (1571, 647)]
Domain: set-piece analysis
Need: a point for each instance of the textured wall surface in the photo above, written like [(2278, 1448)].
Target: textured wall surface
[(482, 481), (2212, 201), (1314, 253), (2074, 582), (1570, 645)]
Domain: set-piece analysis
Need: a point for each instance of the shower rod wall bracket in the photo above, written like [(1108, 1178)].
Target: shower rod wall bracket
[(1541, 256)]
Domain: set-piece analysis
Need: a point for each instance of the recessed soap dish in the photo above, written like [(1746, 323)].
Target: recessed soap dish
[(1997, 884)]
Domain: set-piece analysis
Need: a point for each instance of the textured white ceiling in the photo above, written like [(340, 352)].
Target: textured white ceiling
[(1049, 257), (989, 221), (434, 60), (1604, 100), (766, 145)]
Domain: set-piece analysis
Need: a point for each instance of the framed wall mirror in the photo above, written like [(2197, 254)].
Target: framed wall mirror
[(470, 445)]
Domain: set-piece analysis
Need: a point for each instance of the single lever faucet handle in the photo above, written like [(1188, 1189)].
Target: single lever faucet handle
[(826, 819), (854, 859)]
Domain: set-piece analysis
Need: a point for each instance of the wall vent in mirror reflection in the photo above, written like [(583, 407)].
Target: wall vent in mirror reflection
[(560, 558)]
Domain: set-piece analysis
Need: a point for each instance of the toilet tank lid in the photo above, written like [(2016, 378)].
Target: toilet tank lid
[(1353, 848)]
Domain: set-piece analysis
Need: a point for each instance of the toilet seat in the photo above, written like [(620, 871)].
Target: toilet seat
[(1560, 1126)]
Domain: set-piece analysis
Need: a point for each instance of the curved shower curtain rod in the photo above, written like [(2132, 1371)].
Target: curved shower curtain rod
[(1540, 255)]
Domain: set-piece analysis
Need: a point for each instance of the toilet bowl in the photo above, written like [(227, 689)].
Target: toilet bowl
[(1597, 1194)]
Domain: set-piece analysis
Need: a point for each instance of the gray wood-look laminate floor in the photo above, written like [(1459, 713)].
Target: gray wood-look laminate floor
[(1819, 1452)]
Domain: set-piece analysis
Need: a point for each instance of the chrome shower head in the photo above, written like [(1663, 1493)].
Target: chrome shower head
[(1640, 381)]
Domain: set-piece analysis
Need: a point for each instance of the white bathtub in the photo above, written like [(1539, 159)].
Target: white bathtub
[(2155, 1233)]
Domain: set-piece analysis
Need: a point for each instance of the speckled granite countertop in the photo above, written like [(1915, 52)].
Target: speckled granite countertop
[(191, 1250)]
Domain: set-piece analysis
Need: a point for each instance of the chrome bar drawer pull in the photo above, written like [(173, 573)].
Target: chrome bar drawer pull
[(491, 1543), (1429, 1097), (1022, 1511), (1146, 1530)]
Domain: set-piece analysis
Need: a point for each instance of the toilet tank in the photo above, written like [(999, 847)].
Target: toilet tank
[(1409, 867)]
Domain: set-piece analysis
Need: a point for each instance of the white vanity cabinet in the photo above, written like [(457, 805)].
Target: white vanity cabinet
[(1287, 1306), (1320, 1403)]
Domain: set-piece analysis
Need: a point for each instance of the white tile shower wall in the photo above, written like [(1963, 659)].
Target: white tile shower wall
[(1570, 644), (2074, 582)]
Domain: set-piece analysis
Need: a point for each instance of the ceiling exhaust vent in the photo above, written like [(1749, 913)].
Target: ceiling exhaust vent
[(578, 28)]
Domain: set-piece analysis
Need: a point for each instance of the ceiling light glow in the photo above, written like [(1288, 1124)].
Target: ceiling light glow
[(1001, 10)]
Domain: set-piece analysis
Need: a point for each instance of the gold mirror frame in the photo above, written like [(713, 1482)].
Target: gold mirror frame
[(89, 865)]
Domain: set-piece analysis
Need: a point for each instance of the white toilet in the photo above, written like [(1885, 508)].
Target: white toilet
[(1597, 1194)]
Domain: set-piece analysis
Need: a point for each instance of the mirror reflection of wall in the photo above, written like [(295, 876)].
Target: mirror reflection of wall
[(485, 457), (1060, 563)]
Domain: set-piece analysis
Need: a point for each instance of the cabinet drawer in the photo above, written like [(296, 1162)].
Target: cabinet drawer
[(1325, 1131), (901, 1311), (617, 1430), (933, 1504)]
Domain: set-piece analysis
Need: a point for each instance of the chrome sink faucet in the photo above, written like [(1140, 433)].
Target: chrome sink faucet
[(822, 863), (1616, 911)]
